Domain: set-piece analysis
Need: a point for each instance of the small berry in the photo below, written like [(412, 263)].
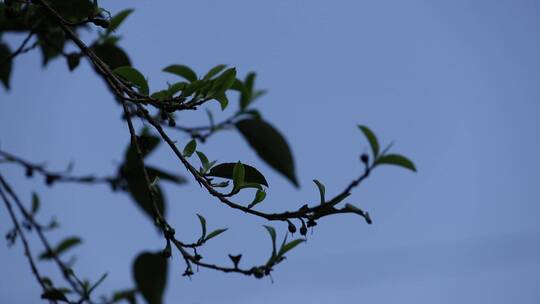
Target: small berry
[(364, 158), (292, 228)]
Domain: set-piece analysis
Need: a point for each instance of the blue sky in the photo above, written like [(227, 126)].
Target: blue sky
[(453, 83)]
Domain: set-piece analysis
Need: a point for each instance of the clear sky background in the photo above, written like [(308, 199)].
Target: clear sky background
[(453, 83)]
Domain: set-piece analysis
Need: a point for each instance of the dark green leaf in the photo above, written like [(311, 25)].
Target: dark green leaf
[(223, 100), (270, 145), (182, 71), (224, 81), (214, 71), (150, 274), (132, 75), (115, 21), (289, 246), (204, 160), (396, 159), (73, 61), (35, 203), (128, 295), (147, 143), (214, 233), (251, 175), (62, 247), (203, 226), (245, 97), (238, 175), (272, 233), (339, 198), (372, 139), (5, 64), (51, 43), (259, 197), (189, 149), (137, 188), (321, 189), (112, 55)]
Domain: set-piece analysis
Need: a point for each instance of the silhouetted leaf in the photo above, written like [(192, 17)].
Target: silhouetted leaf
[(132, 75), (203, 226), (150, 274), (62, 247), (269, 145), (190, 147), (112, 55), (54, 295), (251, 175), (35, 203), (73, 10), (147, 143), (128, 295), (51, 42), (396, 159), (5, 64), (321, 189), (215, 233), (115, 21), (136, 186), (372, 139), (182, 71)]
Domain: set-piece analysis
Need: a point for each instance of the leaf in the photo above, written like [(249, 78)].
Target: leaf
[(54, 295), (132, 75), (224, 81), (128, 295), (5, 64), (112, 55), (272, 233), (147, 143), (238, 175), (321, 189), (35, 203), (372, 139), (336, 200), (259, 197), (62, 247), (246, 97), (150, 275), (51, 43), (182, 71), (137, 188), (214, 71), (251, 174), (289, 246), (396, 159), (269, 145), (204, 160), (189, 149), (223, 100), (215, 233), (203, 226), (115, 21)]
